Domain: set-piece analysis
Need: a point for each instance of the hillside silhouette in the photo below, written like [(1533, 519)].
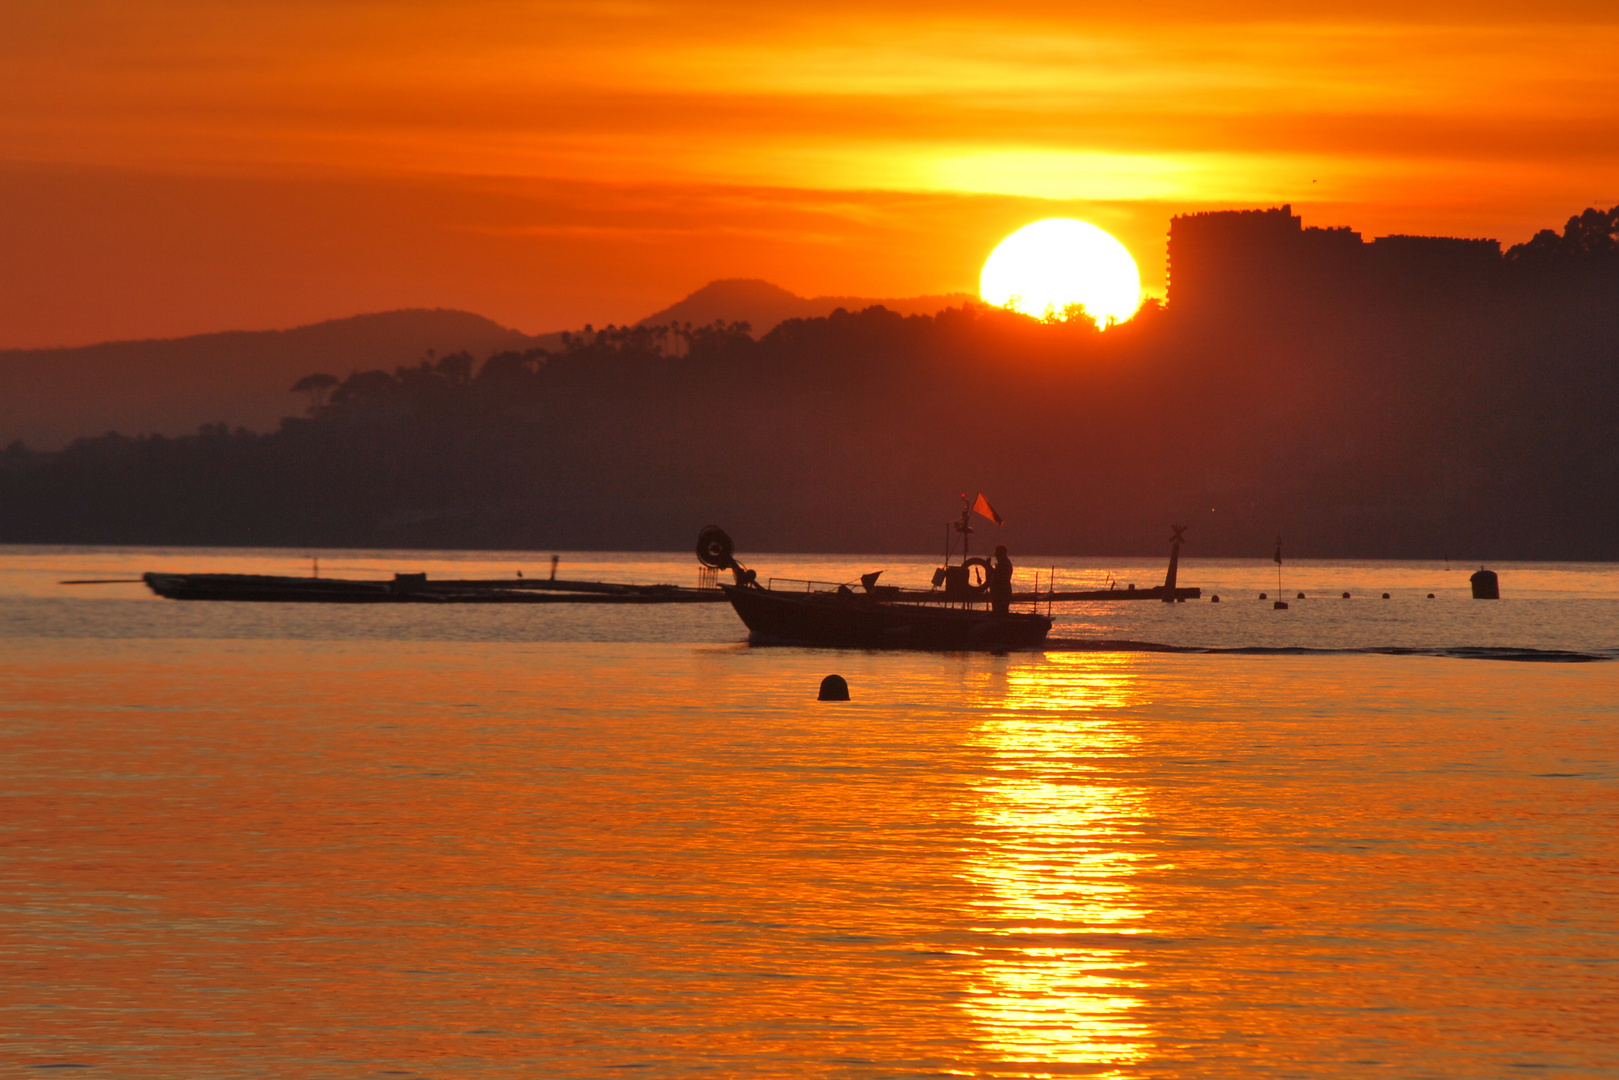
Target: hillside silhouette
[(764, 306), (1411, 396), (49, 397)]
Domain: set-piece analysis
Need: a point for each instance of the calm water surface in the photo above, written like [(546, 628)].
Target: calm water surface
[(307, 841)]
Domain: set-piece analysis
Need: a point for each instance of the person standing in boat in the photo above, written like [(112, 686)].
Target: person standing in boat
[(1000, 582)]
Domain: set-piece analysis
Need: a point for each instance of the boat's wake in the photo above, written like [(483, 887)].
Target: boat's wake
[(1463, 652)]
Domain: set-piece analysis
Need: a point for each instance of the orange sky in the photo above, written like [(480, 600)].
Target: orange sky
[(171, 167)]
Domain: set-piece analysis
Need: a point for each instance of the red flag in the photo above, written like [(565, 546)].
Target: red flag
[(982, 507)]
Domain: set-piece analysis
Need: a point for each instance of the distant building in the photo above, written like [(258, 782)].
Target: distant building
[(1266, 262), (1430, 263)]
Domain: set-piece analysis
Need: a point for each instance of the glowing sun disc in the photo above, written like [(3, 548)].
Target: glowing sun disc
[(1046, 266)]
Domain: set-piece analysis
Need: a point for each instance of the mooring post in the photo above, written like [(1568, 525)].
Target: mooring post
[(1175, 543)]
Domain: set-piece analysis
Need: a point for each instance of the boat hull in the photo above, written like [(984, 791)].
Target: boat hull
[(855, 621), (414, 589)]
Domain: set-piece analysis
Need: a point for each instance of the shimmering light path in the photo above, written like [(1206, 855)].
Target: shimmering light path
[(327, 856)]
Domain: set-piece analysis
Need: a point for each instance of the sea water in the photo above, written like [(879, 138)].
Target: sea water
[(1356, 837)]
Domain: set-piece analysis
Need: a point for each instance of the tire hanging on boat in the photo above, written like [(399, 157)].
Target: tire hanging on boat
[(715, 548)]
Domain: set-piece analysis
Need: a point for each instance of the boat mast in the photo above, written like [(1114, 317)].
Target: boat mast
[(964, 528)]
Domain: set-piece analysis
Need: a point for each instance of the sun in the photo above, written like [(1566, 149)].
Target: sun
[(1046, 266)]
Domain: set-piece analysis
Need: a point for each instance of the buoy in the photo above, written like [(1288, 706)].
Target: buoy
[(1430, 596), (1486, 586), (1385, 596), (1215, 599), (1346, 596), (1301, 596), (1264, 596), (834, 688), (1280, 605)]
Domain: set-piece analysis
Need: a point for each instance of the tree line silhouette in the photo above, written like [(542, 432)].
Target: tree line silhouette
[(1471, 423)]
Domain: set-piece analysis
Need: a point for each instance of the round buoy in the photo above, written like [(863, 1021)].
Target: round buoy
[(1215, 599), (1301, 596), (1262, 596), (1346, 596), (1385, 596), (1430, 596), (834, 688)]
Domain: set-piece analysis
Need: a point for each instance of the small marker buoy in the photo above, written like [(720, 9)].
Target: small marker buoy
[(1264, 596), (834, 688), (1385, 596), (1346, 596), (1280, 605), (1215, 599), (1301, 596), (1430, 596)]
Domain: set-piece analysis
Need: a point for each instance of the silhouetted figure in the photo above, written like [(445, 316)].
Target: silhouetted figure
[(1000, 582)]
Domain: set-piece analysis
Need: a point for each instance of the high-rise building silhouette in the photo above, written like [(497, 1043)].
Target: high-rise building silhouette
[(1267, 263)]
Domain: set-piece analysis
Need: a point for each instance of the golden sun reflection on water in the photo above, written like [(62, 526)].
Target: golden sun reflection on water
[(1056, 864)]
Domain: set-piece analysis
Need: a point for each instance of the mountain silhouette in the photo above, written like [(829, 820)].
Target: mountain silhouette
[(240, 378), (763, 306)]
